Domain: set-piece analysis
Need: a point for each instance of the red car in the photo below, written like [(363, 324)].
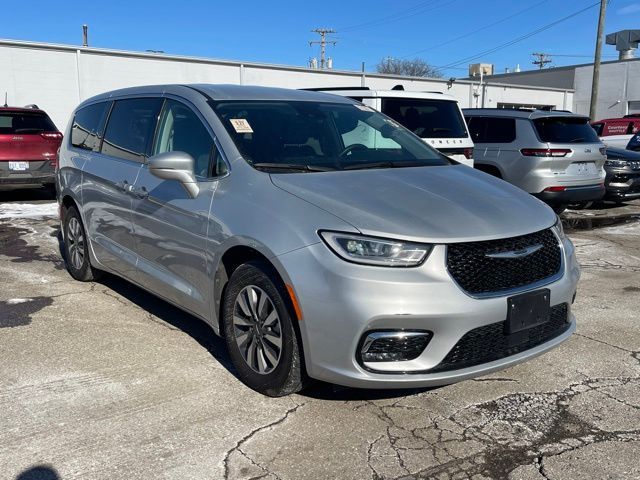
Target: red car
[(29, 143)]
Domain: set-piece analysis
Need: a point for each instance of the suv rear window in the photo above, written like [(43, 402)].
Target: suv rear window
[(25, 123), (565, 130), (426, 118)]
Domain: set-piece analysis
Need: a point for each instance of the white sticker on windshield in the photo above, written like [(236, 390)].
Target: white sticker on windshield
[(364, 108), (241, 125)]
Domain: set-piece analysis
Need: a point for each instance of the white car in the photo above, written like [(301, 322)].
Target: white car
[(435, 117)]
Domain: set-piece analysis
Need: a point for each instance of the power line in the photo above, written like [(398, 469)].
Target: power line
[(518, 39), (418, 9), (473, 32)]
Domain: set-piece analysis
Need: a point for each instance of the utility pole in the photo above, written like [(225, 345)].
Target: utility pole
[(542, 59), (323, 43), (596, 61)]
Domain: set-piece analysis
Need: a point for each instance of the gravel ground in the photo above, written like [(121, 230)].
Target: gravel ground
[(104, 381)]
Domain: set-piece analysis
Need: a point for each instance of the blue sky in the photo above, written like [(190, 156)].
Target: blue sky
[(279, 31)]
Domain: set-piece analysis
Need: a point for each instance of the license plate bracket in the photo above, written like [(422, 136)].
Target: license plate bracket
[(18, 166), (528, 310)]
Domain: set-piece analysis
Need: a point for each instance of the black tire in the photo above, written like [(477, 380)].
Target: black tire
[(286, 375), (76, 248), (559, 208), (581, 205)]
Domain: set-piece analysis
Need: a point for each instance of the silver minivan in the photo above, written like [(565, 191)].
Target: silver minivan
[(378, 264), (554, 155)]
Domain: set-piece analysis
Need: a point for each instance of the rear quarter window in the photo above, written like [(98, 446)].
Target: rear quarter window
[(87, 127), (565, 130)]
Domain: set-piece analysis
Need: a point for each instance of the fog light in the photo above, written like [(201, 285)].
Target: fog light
[(393, 346)]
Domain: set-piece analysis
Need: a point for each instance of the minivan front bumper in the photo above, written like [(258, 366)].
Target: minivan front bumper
[(342, 302)]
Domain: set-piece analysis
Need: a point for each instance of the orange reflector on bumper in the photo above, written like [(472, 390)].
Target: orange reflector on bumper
[(294, 302)]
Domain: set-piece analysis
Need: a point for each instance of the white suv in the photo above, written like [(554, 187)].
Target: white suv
[(433, 116)]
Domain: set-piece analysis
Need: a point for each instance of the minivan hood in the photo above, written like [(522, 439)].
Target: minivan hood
[(441, 204)]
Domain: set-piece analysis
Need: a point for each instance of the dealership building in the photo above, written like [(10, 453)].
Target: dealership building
[(58, 77)]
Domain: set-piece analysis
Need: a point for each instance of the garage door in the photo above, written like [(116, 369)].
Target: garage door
[(634, 107)]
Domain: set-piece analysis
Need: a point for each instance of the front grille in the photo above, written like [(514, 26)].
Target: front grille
[(490, 342), (476, 273)]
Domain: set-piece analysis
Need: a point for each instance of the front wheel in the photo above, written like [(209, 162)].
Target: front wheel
[(259, 331)]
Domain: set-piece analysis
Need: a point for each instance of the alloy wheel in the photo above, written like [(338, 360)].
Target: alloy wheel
[(75, 240), (257, 329)]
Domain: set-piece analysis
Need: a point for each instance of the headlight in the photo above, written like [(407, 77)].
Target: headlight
[(376, 251), (615, 163), (559, 229)]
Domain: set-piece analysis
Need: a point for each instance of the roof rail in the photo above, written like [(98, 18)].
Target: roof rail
[(328, 89), (632, 115), (32, 105)]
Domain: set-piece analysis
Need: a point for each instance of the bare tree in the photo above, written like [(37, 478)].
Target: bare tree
[(412, 68)]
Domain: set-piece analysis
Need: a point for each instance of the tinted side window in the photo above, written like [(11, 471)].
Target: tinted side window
[(426, 118), (492, 130), (180, 130), (130, 128), (598, 127), (88, 123)]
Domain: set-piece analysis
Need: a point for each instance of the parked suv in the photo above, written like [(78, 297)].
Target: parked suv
[(433, 116), (616, 132), (556, 156), (259, 210), (623, 175), (29, 143)]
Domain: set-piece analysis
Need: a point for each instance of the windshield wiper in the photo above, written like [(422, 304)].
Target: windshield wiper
[(292, 166), (400, 164), (358, 166)]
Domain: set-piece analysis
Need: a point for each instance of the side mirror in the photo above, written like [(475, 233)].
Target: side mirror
[(175, 166)]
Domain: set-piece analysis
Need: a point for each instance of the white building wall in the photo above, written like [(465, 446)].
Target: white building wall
[(58, 77)]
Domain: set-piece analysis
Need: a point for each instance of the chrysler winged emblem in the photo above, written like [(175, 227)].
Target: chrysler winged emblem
[(521, 252)]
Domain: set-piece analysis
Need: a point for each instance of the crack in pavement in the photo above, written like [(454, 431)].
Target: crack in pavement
[(246, 438), (512, 431)]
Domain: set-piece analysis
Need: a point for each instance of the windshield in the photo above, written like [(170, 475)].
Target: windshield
[(25, 122), (427, 118), (311, 136), (565, 130)]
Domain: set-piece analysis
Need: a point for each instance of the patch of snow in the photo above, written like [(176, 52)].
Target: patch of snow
[(15, 301), (28, 210), (632, 228)]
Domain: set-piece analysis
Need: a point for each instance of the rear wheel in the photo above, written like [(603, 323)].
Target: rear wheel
[(259, 331), (580, 205), (559, 208), (76, 248)]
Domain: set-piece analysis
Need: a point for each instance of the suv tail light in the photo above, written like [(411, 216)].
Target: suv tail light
[(468, 153), (51, 135), (545, 152)]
